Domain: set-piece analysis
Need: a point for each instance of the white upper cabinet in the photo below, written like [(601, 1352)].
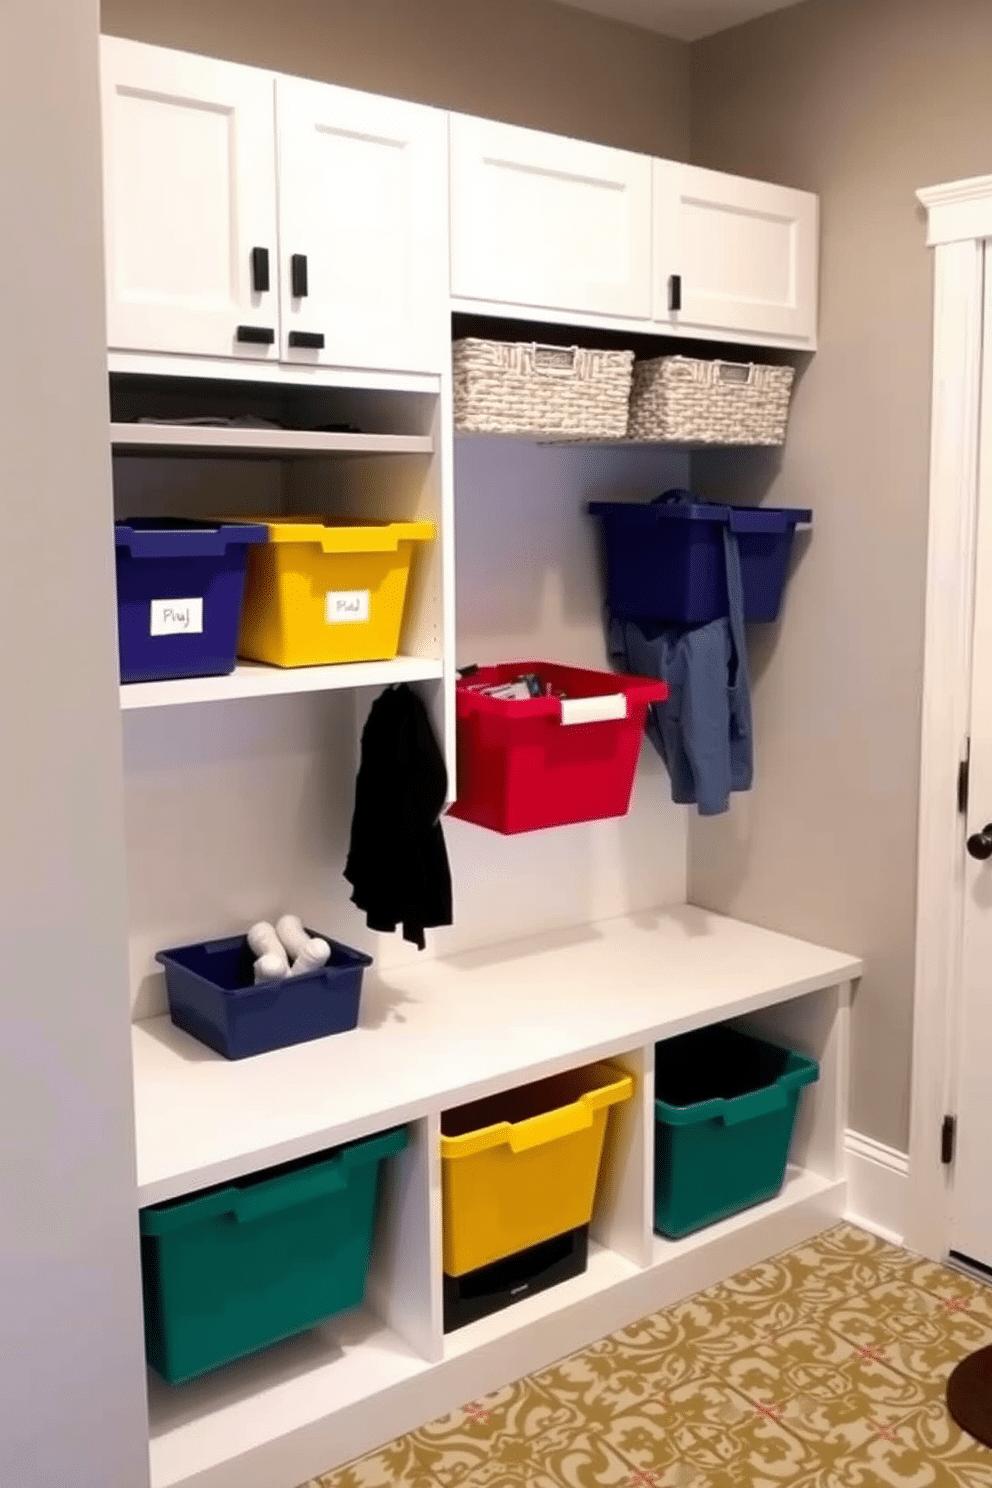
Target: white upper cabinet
[(550, 223), (734, 257), (279, 220), (363, 229), (190, 211)]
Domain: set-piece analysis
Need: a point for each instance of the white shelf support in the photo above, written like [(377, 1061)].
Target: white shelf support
[(404, 1285), (624, 1203)]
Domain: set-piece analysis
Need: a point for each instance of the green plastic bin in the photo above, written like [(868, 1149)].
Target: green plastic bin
[(725, 1107), (238, 1267)]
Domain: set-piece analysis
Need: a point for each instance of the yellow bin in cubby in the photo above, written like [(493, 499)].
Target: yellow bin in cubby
[(522, 1166), (325, 592)]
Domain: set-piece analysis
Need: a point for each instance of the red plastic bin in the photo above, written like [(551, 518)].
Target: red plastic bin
[(546, 762)]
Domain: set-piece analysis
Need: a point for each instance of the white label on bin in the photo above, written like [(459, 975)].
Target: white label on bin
[(177, 617), (347, 606)]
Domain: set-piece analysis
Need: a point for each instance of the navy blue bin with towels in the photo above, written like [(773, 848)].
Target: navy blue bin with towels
[(665, 559), (180, 585), (212, 996)]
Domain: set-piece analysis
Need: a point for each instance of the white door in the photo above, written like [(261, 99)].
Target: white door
[(550, 223), (363, 229), (734, 256), (971, 1208), (189, 203)]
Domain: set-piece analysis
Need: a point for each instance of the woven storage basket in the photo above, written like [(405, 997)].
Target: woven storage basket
[(684, 400), (519, 388)]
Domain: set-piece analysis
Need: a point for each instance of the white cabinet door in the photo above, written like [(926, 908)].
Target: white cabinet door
[(363, 229), (553, 223), (734, 256), (189, 195)]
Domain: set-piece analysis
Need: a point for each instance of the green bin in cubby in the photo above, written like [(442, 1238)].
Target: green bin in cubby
[(234, 1268), (725, 1108)]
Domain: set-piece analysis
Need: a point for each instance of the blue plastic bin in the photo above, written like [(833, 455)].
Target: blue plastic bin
[(179, 590), (665, 560), (211, 996)]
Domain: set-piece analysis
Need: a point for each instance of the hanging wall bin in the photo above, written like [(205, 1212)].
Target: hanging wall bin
[(685, 400), (212, 996), (324, 592), (235, 1268), (179, 592), (665, 559), (522, 388), (520, 1167), (725, 1108), (547, 761)]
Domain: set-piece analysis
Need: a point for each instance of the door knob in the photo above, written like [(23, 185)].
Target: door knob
[(980, 843)]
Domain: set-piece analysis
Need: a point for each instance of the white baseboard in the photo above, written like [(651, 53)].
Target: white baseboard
[(877, 1186)]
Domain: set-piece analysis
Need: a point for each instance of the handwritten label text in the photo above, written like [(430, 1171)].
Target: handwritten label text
[(347, 607), (177, 617)]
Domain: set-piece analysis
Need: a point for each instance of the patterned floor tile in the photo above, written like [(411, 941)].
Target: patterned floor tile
[(696, 1335), (619, 1372), (830, 1269), (712, 1429), (911, 1330), (823, 1389), (958, 1292), (823, 1368), (926, 1450), (499, 1427)]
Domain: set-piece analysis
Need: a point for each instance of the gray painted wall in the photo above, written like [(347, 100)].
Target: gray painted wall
[(71, 1365), (527, 62), (863, 101)]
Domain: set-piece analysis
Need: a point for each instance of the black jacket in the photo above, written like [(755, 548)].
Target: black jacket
[(398, 863)]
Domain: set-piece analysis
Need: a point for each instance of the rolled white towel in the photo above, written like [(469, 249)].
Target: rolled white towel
[(270, 968), (271, 961), (309, 953)]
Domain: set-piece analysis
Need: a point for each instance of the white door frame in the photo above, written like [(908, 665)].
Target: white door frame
[(959, 225)]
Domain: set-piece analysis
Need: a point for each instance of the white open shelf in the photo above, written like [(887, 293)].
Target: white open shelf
[(325, 1397), (253, 680), (441, 1032), (434, 1034), (209, 1425), (177, 439)]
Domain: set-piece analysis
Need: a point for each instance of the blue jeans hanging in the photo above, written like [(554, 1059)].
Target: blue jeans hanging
[(703, 731)]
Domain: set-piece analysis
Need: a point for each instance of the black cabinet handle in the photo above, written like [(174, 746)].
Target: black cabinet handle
[(259, 335), (312, 339), (260, 270), (298, 275), (675, 291)]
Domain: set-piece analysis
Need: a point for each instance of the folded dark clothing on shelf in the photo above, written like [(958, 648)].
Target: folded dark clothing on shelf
[(211, 421)]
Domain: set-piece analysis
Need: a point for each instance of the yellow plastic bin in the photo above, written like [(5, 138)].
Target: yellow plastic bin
[(324, 592), (522, 1166)]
